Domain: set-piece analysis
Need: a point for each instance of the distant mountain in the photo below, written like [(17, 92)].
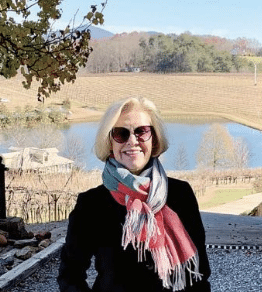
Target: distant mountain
[(154, 32), (99, 33)]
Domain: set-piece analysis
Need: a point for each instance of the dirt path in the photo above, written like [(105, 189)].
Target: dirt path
[(244, 205)]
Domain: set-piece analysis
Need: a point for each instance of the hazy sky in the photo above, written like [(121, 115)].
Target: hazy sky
[(225, 18)]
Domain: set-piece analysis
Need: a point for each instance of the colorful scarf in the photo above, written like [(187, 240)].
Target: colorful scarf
[(150, 225)]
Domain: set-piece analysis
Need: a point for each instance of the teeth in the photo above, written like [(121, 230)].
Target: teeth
[(132, 152)]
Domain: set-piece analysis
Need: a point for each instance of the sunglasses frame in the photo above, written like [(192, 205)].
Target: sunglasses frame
[(150, 129)]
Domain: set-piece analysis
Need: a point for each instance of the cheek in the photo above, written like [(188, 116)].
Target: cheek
[(148, 148), (115, 148)]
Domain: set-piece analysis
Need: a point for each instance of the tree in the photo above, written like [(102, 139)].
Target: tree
[(52, 58), (241, 154), (115, 53), (42, 136), (255, 61), (74, 149), (184, 53), (181, 160), (216, 150)]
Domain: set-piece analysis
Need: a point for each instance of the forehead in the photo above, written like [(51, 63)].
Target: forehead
[(133, 118)]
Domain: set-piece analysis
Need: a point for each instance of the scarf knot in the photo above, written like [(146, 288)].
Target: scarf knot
[(150, 225)]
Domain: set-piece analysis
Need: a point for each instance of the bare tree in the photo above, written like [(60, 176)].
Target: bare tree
[(241, 153), (181, 160), (116, 53), (216, 150), (45, 136), (74, 149), (42, 136)]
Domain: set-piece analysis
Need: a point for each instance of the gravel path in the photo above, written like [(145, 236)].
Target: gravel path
[(232, 271)]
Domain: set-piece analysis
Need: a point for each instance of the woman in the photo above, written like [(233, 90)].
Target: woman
[(143, 228)]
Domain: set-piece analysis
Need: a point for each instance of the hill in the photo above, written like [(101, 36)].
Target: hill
[(99, 33)]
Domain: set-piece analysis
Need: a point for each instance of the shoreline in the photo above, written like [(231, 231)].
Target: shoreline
[(176, 117)]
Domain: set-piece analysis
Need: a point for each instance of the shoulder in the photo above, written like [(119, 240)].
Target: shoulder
[(180, 191), (98, 194), (176, 185)]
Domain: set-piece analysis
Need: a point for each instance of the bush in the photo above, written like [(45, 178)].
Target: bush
[(66, 104), (56, 116), (257, 185)]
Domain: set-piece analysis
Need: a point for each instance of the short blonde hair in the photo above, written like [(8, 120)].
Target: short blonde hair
[(103, 143)]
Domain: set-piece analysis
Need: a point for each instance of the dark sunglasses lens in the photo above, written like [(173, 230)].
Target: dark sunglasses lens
[(143, 133), (120, 135)]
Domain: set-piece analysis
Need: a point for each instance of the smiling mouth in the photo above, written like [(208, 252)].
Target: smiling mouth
[(132, 152)]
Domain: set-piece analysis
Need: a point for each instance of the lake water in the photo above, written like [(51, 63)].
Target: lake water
[(178, 133)]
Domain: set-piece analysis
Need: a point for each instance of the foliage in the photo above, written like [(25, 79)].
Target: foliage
[(219, 150), (28, 116), (184, 53), (52, 58), (56, 116), (66, 103), (216, 148), (164, 53)]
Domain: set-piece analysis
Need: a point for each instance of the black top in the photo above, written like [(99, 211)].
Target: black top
[(95, 228)]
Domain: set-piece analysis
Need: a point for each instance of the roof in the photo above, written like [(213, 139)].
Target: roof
[(33, 158)]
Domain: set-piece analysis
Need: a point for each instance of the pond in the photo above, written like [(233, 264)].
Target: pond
[(188, 135)]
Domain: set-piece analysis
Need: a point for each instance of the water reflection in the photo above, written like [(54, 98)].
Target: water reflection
[(188, 135)]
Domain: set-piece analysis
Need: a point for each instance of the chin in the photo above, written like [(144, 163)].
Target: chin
[(135, 170)]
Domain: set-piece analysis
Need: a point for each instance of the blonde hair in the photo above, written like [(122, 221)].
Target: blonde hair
[(102, 146)]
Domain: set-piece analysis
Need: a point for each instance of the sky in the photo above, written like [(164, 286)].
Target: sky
[(224, 18)]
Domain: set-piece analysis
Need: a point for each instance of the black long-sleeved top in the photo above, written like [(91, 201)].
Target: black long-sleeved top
[(95, 228)]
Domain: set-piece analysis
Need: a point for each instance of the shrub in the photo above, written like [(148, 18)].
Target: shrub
[(257, 185), (66, 103)]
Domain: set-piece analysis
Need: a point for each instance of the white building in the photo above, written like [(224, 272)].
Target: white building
[(37, 160)]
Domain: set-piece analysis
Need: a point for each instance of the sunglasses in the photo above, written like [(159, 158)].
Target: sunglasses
[(142, 133)]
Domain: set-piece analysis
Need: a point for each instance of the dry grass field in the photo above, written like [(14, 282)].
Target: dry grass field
[(230, 96)]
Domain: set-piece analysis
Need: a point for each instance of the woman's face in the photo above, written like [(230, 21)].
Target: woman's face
[(133, 154)]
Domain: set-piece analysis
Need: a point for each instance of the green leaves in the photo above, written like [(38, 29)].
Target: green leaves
[(183, 53), (51, 58), (95, 18), (90, 15)]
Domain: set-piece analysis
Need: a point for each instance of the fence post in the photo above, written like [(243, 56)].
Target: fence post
[(2, 190)]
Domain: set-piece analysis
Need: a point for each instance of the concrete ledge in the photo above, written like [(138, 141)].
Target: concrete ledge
[(25, 269)]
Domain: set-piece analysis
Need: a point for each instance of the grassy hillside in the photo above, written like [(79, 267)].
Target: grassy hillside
[(231, 96)]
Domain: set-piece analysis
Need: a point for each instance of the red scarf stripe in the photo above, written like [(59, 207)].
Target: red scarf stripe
[(162, 233)]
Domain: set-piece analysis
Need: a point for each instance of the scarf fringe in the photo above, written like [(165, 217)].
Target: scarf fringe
[(148, 231), (174, 276), (134, 224), (163, 265)]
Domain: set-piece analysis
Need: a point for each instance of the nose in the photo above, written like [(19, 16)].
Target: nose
[(132, 140)]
